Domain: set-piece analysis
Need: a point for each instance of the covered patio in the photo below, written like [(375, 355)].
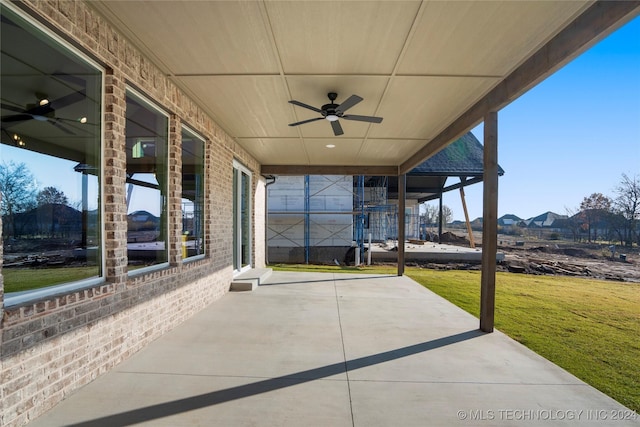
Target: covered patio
[(324, 349), (244, 81), (415, 76)]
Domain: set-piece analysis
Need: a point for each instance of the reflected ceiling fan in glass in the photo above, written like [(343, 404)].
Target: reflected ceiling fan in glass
[(44, 110)]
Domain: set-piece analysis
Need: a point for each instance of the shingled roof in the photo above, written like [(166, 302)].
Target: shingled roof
[(462, 157)]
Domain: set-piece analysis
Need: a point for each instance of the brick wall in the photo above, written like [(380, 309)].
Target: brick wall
[(174, 201), (91, 331), (52, 346)]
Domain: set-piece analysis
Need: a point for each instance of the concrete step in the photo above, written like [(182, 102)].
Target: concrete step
[(250, 280)]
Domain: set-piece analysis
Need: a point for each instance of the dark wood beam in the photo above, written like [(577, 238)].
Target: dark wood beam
[(462, 183), (440, 219), (402, 182), (595, 23), (463, 200), (489, 223), (328, 170)]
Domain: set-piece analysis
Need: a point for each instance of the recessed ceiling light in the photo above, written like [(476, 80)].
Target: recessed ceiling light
[(330, 146), (43, 102), (83, 120)]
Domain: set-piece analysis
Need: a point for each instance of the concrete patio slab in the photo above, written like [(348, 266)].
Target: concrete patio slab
[(323, 349), (431, 252)]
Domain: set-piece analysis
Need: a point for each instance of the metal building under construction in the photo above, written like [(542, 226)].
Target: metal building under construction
[(319, 218)]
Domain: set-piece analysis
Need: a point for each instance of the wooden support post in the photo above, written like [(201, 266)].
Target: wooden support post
[(489, 222), (440, 219), (472, 242), (402, 189)]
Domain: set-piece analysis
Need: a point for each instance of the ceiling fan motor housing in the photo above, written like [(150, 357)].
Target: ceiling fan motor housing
[(329, 109)]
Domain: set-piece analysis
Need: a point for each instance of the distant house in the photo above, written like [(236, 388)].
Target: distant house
[(598, 223), (509, 220), (545, 220)]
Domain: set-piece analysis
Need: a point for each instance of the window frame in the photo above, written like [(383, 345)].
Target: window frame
[(140, 97), (22, 297), (204, 190), (238, 235)]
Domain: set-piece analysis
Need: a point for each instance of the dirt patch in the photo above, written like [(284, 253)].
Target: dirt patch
[(454, 239), (551, 257), (573, 259)]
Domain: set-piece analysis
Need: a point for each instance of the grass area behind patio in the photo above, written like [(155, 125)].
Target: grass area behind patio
[(319, 268), (591, 328), (22, 279)]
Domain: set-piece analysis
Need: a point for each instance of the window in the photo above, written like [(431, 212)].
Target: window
[(192, 195), (146, 131), (241, 217), (50, 159)]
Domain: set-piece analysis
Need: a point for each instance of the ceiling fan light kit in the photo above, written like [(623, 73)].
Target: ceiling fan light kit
[(333, 112)]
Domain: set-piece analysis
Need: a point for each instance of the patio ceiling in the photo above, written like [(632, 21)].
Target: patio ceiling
[(431, 69)]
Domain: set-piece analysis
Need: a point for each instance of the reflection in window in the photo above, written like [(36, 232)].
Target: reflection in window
[(146, 135), (241, 217), (245, 219), (49, 160), (192, 194)]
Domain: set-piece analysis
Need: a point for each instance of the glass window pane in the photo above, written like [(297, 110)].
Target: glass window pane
[(241, 217), (50, 157), (236, 227), (146, 136), (245, 204), (192, 195)]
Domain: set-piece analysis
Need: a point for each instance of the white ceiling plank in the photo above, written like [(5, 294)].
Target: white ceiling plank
[(248, 106), (487, 38), (340, 37), (276, 151), (344, 153), (419, 107), (387, 151), (199, 37)]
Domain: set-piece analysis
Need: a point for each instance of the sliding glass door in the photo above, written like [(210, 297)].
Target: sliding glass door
[(241, 217)]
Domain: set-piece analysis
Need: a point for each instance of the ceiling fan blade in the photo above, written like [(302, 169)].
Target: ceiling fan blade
[(337, 129), (17, 118), (62, 127), (306, 121), (12, 108), (303, 105), (350, 102), (69, 78), (370, 119), (70, 99)]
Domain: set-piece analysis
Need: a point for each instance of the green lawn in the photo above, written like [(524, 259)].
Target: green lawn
[(22, 279), (591, 328)]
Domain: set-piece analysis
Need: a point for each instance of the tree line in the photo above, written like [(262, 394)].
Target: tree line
[(611, 218), (20, 195)]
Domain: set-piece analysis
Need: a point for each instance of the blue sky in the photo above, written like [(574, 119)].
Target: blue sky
[(572, 135)]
